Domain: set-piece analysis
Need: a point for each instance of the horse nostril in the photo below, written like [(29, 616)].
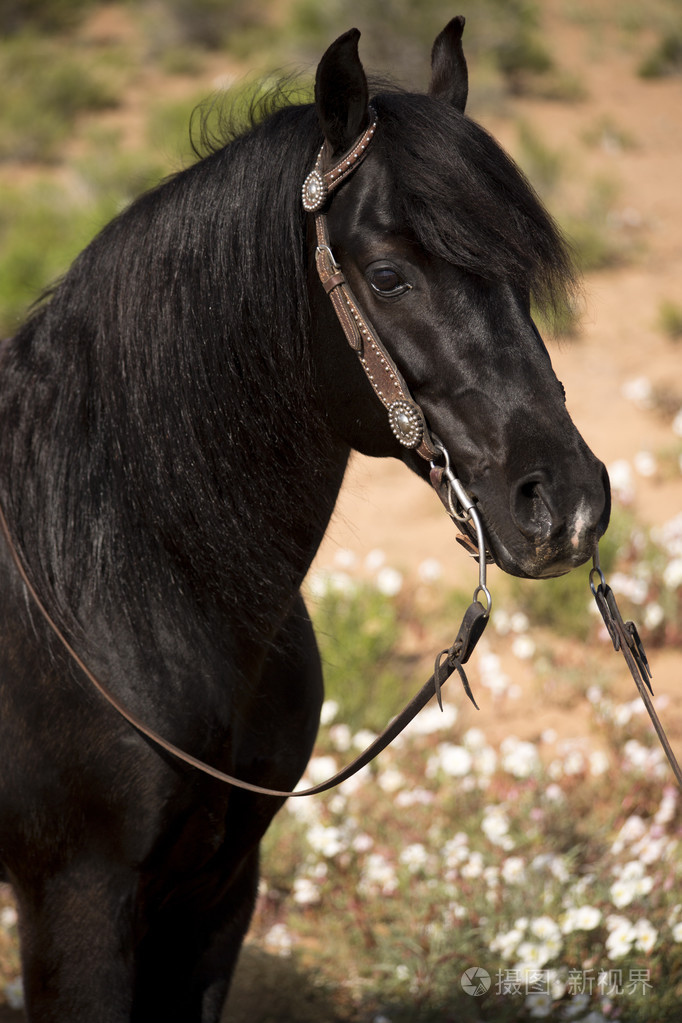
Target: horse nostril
[(532, 508)]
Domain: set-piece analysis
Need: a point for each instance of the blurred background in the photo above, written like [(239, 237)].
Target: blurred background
[(96, 106)]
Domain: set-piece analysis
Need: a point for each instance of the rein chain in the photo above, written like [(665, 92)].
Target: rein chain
[(408, 424)]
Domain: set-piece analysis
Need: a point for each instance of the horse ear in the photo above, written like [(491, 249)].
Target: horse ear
[(449, 76), (341, 93)]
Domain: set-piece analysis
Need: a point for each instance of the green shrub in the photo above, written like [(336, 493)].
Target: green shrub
[(44, 89), (666, 58), (42, 15), (210, 23), (42, 229), (670, 319), (357, 629)]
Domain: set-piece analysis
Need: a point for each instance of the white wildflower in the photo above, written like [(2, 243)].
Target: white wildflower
[(374, 560), (473, 866), (574, 763), (279, 940), (514, 870), (345, 558), (633, 829), (363, 738), (8, 917), (581, 918), (414, 797), (654, 615), (474, 739), (326, 840), (639, 391), (623, 892), (501, 621), (389, 581), (306, 893), (666, 811), (490, 672), (495, 826), (533, 956), (519, 622), (538, 1004), (485, 762), (341, 736), (677, 932), (430, 570), (645, 463), (652, 850), (672, 574), (630, 586), (456, 850), (523, 647), (646, 935), (545, 928), (507, 942), (391, 779), (491, 876), (455, 761), (330, 709), (414, 857), (519, 758), (379, 873), (362, 842), (433, 719), (320, 768), (599, 762), (620, 476), (620, 940)]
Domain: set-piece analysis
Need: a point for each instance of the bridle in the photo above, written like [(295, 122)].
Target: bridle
[(405, 416), (409, 426)]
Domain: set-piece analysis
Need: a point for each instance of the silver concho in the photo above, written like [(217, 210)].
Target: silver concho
[(314, 193), (406, 422)]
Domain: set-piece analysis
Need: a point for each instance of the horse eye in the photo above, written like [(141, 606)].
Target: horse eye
[(386, 280)]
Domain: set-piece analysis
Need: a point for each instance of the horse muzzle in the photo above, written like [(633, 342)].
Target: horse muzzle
[(543, 528)]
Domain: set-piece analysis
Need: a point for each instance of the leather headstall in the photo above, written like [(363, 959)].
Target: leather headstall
[(405, 417)]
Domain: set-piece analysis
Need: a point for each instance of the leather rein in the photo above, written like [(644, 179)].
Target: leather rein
[(409, 426)]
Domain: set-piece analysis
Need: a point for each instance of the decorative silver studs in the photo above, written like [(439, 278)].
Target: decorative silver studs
[(406, 423), (314, 193)]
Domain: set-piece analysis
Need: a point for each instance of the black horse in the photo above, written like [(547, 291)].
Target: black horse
[(175, 421)]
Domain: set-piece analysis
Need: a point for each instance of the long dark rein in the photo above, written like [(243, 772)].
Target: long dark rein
[(409, 427), (447, 662)]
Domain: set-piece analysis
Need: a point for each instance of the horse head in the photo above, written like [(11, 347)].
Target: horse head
[(444, 243)]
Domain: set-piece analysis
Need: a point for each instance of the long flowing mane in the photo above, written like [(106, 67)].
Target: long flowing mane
[(467, 202), (177, 347)]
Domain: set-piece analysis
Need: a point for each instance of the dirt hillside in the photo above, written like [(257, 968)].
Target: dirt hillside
[(622, 374)]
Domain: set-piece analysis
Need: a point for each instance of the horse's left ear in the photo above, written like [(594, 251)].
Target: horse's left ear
[(449, 75), (341, 93)]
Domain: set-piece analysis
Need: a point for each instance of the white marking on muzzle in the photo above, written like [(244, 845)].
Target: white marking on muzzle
[(581, 523)]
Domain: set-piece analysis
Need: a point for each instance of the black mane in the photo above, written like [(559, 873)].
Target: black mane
[(466, 201), (172, 334)]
